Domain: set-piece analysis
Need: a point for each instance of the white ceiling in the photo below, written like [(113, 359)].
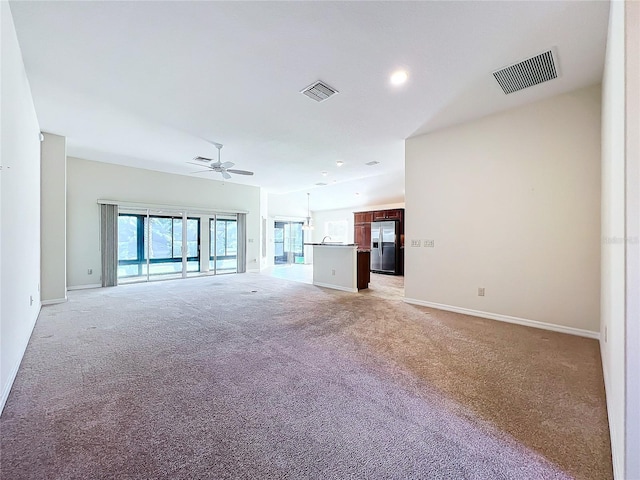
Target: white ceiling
[(143, 83)]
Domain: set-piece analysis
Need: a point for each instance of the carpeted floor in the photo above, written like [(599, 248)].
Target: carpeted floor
[(248, 376)]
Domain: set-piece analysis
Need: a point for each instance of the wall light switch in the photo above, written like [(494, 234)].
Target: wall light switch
[(415, 243), (429, 243)]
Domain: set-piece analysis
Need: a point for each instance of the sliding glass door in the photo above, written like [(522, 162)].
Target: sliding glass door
[(150, 246), (223, 244)]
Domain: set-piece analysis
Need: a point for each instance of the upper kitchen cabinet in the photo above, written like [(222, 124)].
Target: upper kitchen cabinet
[(362, 217), (393, 214)]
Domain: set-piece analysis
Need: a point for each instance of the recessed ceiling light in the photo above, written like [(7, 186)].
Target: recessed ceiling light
[(357, 194), (325, 173), (339, 163), (399, 77)]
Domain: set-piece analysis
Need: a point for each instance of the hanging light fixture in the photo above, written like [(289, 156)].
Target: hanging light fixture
[(308, 226)]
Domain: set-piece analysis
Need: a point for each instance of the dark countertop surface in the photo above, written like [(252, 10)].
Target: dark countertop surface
[(332, 244)]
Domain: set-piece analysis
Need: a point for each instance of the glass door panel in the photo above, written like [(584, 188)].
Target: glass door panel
[(223, 244), (288, 239), (193, 245), (150, 246)]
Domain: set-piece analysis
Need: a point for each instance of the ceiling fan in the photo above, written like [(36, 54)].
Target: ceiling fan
[(218, 166)]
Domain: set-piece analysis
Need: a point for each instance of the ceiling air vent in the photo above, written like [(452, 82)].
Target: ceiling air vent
[(319, 91), (372, 163), (320, 184), (527, 73)]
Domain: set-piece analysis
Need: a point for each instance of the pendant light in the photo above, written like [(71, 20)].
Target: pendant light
[(308, 226)]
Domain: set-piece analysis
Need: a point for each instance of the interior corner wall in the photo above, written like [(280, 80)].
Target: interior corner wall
[(89, 181), (632, 228), (512, 202), (19, 207), (53, 225), (620, 179)]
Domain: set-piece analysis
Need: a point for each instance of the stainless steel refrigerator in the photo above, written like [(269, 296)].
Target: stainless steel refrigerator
[(385, 247)]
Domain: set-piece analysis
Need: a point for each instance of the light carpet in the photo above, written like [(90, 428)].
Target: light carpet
[(247, 376)]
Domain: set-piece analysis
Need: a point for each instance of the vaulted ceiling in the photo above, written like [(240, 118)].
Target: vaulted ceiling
[(146, 83)]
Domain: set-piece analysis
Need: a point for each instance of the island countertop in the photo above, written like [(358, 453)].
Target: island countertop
[(330, 244)]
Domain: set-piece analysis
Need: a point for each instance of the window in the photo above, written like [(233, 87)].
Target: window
[(337, 230)]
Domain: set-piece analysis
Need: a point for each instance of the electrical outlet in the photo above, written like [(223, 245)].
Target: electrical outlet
[(30, 300), (429, 243), (415, 243), (333, 272), (481, 291), (90, 271)]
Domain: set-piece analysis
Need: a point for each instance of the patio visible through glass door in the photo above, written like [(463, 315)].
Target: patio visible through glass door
[(288, 239)]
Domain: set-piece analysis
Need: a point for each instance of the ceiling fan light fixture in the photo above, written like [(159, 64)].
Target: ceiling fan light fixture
[(223, 168)]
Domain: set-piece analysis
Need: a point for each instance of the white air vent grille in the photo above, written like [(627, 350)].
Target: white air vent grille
[(372, 163), (319, 91), (320, 184), (527, 73)]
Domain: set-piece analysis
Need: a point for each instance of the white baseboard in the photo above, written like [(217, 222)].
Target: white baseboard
[(506, 318), (53, 302), (84, 287), (336, 287), (6, 389), (615, 448)]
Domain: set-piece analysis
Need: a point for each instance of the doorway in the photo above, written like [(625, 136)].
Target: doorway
[(288, 240)]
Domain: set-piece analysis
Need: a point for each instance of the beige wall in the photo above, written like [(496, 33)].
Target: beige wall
[(53, 224), (19, 208), (512, 202), (88, 181)]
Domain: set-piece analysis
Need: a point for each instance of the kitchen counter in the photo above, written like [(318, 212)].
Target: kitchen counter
[(333, 244), (335, 265)]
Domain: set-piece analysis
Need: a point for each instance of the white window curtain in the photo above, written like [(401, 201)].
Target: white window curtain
[(242, 242), (109, 244)]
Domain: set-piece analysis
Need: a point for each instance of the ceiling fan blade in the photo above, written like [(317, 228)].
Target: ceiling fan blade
[(202, 171), (225, 174), (240, 172), (227, 164)]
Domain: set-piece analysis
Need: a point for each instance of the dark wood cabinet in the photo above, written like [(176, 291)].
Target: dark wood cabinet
[(393, 214), (364, 274), (362, 217), (362, 235)]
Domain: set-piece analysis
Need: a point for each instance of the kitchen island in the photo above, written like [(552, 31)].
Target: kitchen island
[(335, 265)]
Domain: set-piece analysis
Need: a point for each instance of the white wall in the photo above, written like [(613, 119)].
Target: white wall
[(632, 208), (512, 202), (53, 224), (88, 181), (20, 208), (619, 328), (346, 214)]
